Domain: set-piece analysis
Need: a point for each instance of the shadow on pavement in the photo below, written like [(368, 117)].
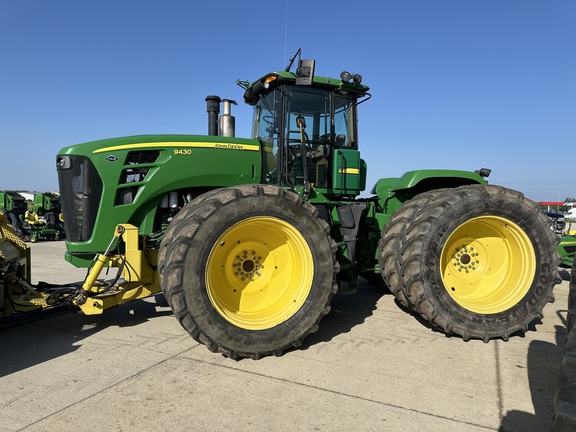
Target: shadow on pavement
[(544, 360), (543, 364), (29, 344), (348, 311)]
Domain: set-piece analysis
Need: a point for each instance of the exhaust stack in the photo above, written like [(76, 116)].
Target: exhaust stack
[(227, 120)]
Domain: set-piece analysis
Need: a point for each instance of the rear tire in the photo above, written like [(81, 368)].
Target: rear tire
[(478, 261), (249, 271), (393, 237)]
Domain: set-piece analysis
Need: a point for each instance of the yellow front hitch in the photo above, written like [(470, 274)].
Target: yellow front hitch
[(138, 271)]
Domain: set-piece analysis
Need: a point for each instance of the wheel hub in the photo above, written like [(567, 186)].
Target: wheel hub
[(247, 265), (466, 259)]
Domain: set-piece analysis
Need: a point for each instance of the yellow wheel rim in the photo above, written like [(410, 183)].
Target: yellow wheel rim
[(259, 273), (488, 264)]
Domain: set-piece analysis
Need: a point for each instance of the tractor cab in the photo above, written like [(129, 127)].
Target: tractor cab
[(307, 126)]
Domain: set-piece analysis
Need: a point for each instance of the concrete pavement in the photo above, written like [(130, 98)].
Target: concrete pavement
[(370, 367)]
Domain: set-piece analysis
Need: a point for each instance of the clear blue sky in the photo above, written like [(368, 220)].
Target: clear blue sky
[(459, 84)]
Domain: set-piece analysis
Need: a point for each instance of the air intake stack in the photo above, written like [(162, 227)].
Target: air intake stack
[(224, 125), (213, 109)]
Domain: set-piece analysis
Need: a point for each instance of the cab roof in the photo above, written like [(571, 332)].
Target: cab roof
[(273, 79)]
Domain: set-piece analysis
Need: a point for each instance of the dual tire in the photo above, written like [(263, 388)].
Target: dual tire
[(249, 270), (478, 261)]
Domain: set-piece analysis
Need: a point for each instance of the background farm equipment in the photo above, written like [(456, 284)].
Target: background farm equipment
[(33, 221), (45, 218), (567, 250)]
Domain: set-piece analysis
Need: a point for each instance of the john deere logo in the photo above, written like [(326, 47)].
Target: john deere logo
[(111, 158)]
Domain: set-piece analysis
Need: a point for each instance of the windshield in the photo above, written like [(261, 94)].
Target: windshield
[(322, 125), (330, 123)]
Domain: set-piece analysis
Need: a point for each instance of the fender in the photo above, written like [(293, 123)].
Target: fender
[(392, 192)]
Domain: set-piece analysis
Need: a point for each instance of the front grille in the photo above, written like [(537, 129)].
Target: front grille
[(80, 193)]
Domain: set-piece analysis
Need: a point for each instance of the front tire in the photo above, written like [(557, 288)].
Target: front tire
[(478, 261), (249, 270)]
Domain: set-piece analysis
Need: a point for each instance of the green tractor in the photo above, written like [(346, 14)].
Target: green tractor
[(249, 238), (45, 219), (46, 203), (567, 250)]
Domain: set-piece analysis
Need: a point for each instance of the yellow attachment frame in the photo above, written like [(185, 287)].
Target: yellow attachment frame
[(11, 247), (140, 278)]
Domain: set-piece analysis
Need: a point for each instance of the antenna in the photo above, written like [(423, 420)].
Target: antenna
[(286, 30)]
